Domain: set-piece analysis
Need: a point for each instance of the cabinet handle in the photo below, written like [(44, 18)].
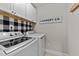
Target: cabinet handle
[(12, 11), (15, 13)]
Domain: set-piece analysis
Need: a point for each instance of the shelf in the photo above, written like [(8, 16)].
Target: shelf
[(4, 13), (74, 7)]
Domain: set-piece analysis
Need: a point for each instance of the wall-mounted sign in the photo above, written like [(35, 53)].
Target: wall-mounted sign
[(52, 20)]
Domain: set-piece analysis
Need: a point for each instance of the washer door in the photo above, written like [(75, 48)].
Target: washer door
[(31, 49)]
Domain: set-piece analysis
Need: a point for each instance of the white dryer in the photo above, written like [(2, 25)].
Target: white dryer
[(42, 41)]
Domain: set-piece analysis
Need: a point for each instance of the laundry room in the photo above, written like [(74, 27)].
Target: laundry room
[(39, 29)]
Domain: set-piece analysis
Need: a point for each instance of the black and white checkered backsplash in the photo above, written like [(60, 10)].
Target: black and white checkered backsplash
[(8, 24)]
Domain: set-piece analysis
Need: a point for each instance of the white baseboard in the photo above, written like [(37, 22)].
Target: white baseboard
[(55, 53)]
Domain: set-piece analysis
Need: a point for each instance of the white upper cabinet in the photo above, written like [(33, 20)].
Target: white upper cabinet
[(31, 12), (26, 10), (5, 6), (19, 9)]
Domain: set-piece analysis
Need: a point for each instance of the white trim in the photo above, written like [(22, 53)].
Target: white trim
[(55, 53)]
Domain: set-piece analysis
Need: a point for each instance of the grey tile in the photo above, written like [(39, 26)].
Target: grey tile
[(16, 27), (6, 26), (1, 21), (11, 23), (6, 18), (19, 24), (1, 30)]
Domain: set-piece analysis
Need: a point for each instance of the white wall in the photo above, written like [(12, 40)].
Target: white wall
[(56, 33), (73, 31)]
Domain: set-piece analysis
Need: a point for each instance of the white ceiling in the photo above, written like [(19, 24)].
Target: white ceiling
[(39, 4)]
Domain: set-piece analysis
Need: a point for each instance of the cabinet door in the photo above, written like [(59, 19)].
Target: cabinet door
[(5, 6), (31, 12), (19, 8)]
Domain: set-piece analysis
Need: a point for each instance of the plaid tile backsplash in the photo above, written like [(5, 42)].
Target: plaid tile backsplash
[(8, 24)]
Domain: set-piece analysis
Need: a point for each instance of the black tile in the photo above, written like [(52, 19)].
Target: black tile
[(22, 24), (15, 29), (22, 31), (15, 23), (30, 26), (5, 30), (22, 27), (26, 25), (5, 22)]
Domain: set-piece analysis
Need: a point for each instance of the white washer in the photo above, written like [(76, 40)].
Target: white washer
[(42, 41), (24, 47), (29, 49)]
